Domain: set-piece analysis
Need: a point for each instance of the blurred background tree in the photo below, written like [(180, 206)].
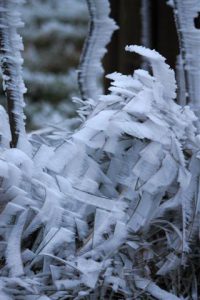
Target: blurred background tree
[(53, 37)]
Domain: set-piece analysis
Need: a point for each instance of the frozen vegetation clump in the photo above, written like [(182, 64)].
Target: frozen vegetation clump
[(110, 211)]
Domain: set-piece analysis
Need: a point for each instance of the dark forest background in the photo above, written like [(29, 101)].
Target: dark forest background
[(161, 30)]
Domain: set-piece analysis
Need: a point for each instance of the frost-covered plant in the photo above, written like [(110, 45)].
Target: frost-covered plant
[(112, 210), (11, 60), (187, 15), (109, 210), (100, 31)]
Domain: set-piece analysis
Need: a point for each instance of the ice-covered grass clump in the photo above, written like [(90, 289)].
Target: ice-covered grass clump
[(111, 210)]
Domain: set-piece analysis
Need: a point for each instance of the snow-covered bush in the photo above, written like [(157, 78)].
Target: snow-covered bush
[(111, 208), (110, 211)]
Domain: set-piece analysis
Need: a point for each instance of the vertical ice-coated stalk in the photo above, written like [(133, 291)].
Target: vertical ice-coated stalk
[(101, 28), (187, 15), (146, 28), (181, 81), (11, 64)]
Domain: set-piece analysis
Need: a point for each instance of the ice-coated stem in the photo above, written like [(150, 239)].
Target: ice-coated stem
[(11, 65), (100, 31), (146, 28), (186, 14)]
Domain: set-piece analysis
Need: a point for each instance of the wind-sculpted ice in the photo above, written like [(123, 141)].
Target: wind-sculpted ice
[(99, 211), (11, 61), (101, 28)]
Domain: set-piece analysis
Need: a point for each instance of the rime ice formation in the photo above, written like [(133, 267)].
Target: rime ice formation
[(11, 61), (77, 218), (187, 13), (112, 210), (101, 29)]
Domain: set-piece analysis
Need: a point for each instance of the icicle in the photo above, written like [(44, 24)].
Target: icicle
[(11, 61), (187, 14), (100, 32)]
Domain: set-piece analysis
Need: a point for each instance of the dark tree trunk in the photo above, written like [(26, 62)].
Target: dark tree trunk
[(128, 15)]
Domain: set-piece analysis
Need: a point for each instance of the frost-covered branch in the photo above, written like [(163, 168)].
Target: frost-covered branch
[(11, 61), (100, 31), (186, 13)]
